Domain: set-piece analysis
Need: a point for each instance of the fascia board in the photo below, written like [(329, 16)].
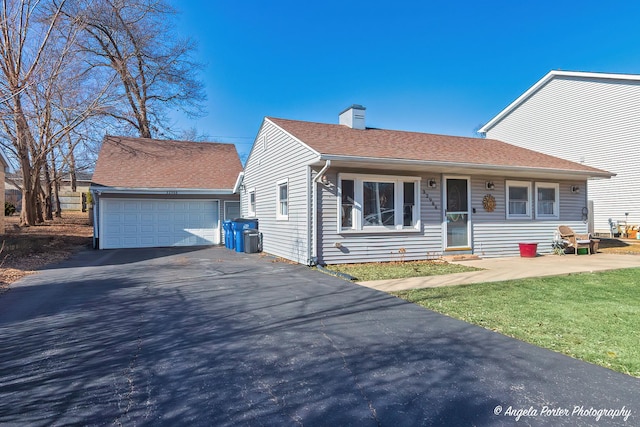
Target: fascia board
[(161, 191), (471, 166)]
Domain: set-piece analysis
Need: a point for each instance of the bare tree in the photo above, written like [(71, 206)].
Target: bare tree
[(134, 39), (24, 40), (47, 94)]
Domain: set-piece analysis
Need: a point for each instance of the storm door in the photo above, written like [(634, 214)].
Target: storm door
[(457, 219)]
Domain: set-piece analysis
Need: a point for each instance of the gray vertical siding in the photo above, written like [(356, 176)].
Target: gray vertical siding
[(586, 120), (284, 158)]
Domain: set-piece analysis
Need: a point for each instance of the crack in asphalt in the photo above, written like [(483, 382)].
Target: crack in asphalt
[(128, 372), (345, 365)]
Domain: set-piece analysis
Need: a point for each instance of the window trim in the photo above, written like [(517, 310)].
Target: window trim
[(251, 212), (280, 216), (398, 203), (556, 187), (526, 184)]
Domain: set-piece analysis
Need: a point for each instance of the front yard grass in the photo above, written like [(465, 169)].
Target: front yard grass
[(398, 270), (594, 317)]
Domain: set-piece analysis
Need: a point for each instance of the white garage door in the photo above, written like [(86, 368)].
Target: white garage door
[(146, 223)]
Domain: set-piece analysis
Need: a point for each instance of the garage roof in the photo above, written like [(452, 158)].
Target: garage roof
[(150, 163)]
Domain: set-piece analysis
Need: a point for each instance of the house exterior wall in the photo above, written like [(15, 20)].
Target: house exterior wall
[(376, 246), (586, 120), (492, 234), (276, 156)]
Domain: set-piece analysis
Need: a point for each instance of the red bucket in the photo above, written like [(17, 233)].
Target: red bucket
[(528, 250)]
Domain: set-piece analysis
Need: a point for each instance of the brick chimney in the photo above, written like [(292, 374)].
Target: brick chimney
[(353, 117)]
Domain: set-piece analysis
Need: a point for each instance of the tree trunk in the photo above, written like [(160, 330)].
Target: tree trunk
[(72, 165), (47, 193)]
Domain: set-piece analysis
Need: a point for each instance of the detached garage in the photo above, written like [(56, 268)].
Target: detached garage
[(156, 193)]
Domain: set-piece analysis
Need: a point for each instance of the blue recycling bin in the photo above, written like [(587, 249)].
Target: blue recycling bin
[(238, 225), (228, 234)]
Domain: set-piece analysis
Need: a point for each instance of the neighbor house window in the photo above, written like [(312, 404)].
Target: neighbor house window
[(547, 200), (282, 196), (518, 200), (378, 203), (251, 202)]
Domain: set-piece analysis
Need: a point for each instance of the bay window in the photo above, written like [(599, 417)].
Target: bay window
[(378, 203)]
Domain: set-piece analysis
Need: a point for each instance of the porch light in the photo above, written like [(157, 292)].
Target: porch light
[(575, 189), (432, 183), (489, 185)]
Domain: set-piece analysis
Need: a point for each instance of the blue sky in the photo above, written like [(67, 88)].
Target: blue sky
[(428, 66)]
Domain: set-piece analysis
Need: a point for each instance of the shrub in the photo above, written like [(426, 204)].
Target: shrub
[(9, 209)]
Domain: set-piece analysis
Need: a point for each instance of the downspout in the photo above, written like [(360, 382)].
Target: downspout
[(313, 259)]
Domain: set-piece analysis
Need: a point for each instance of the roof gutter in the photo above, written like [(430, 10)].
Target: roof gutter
[(162, 191), (474, 166)]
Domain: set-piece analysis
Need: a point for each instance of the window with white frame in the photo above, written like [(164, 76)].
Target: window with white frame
[(378, 203), (518, 200), (547, 200), (282, 199), (251, 202)]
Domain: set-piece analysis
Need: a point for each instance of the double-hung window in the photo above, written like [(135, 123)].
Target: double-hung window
[(518, 200), (378, 203), (547, 204), (282, 200), (251, 202)]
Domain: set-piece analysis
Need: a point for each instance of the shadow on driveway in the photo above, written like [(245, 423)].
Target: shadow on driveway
[(210, 337)]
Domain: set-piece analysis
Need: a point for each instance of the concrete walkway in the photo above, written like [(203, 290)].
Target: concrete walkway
[(499, 269)]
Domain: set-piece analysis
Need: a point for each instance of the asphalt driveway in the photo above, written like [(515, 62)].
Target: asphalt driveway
[(211, 337)]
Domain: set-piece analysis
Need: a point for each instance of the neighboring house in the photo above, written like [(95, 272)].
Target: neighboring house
[(590, 118), (155, 193), (69, 200), (344, 193)]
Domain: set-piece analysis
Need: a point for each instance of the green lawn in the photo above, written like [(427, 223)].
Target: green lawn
[(592, 316), (398, 270)]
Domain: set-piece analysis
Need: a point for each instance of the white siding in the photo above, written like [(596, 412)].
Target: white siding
[(587, 120), (283, 158)]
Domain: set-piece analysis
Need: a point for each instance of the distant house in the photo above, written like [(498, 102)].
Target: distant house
[(69, 200), (589, 118), (154, 193), (345, 193)]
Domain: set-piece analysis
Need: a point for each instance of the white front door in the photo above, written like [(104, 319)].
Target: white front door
[(457, 221)]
